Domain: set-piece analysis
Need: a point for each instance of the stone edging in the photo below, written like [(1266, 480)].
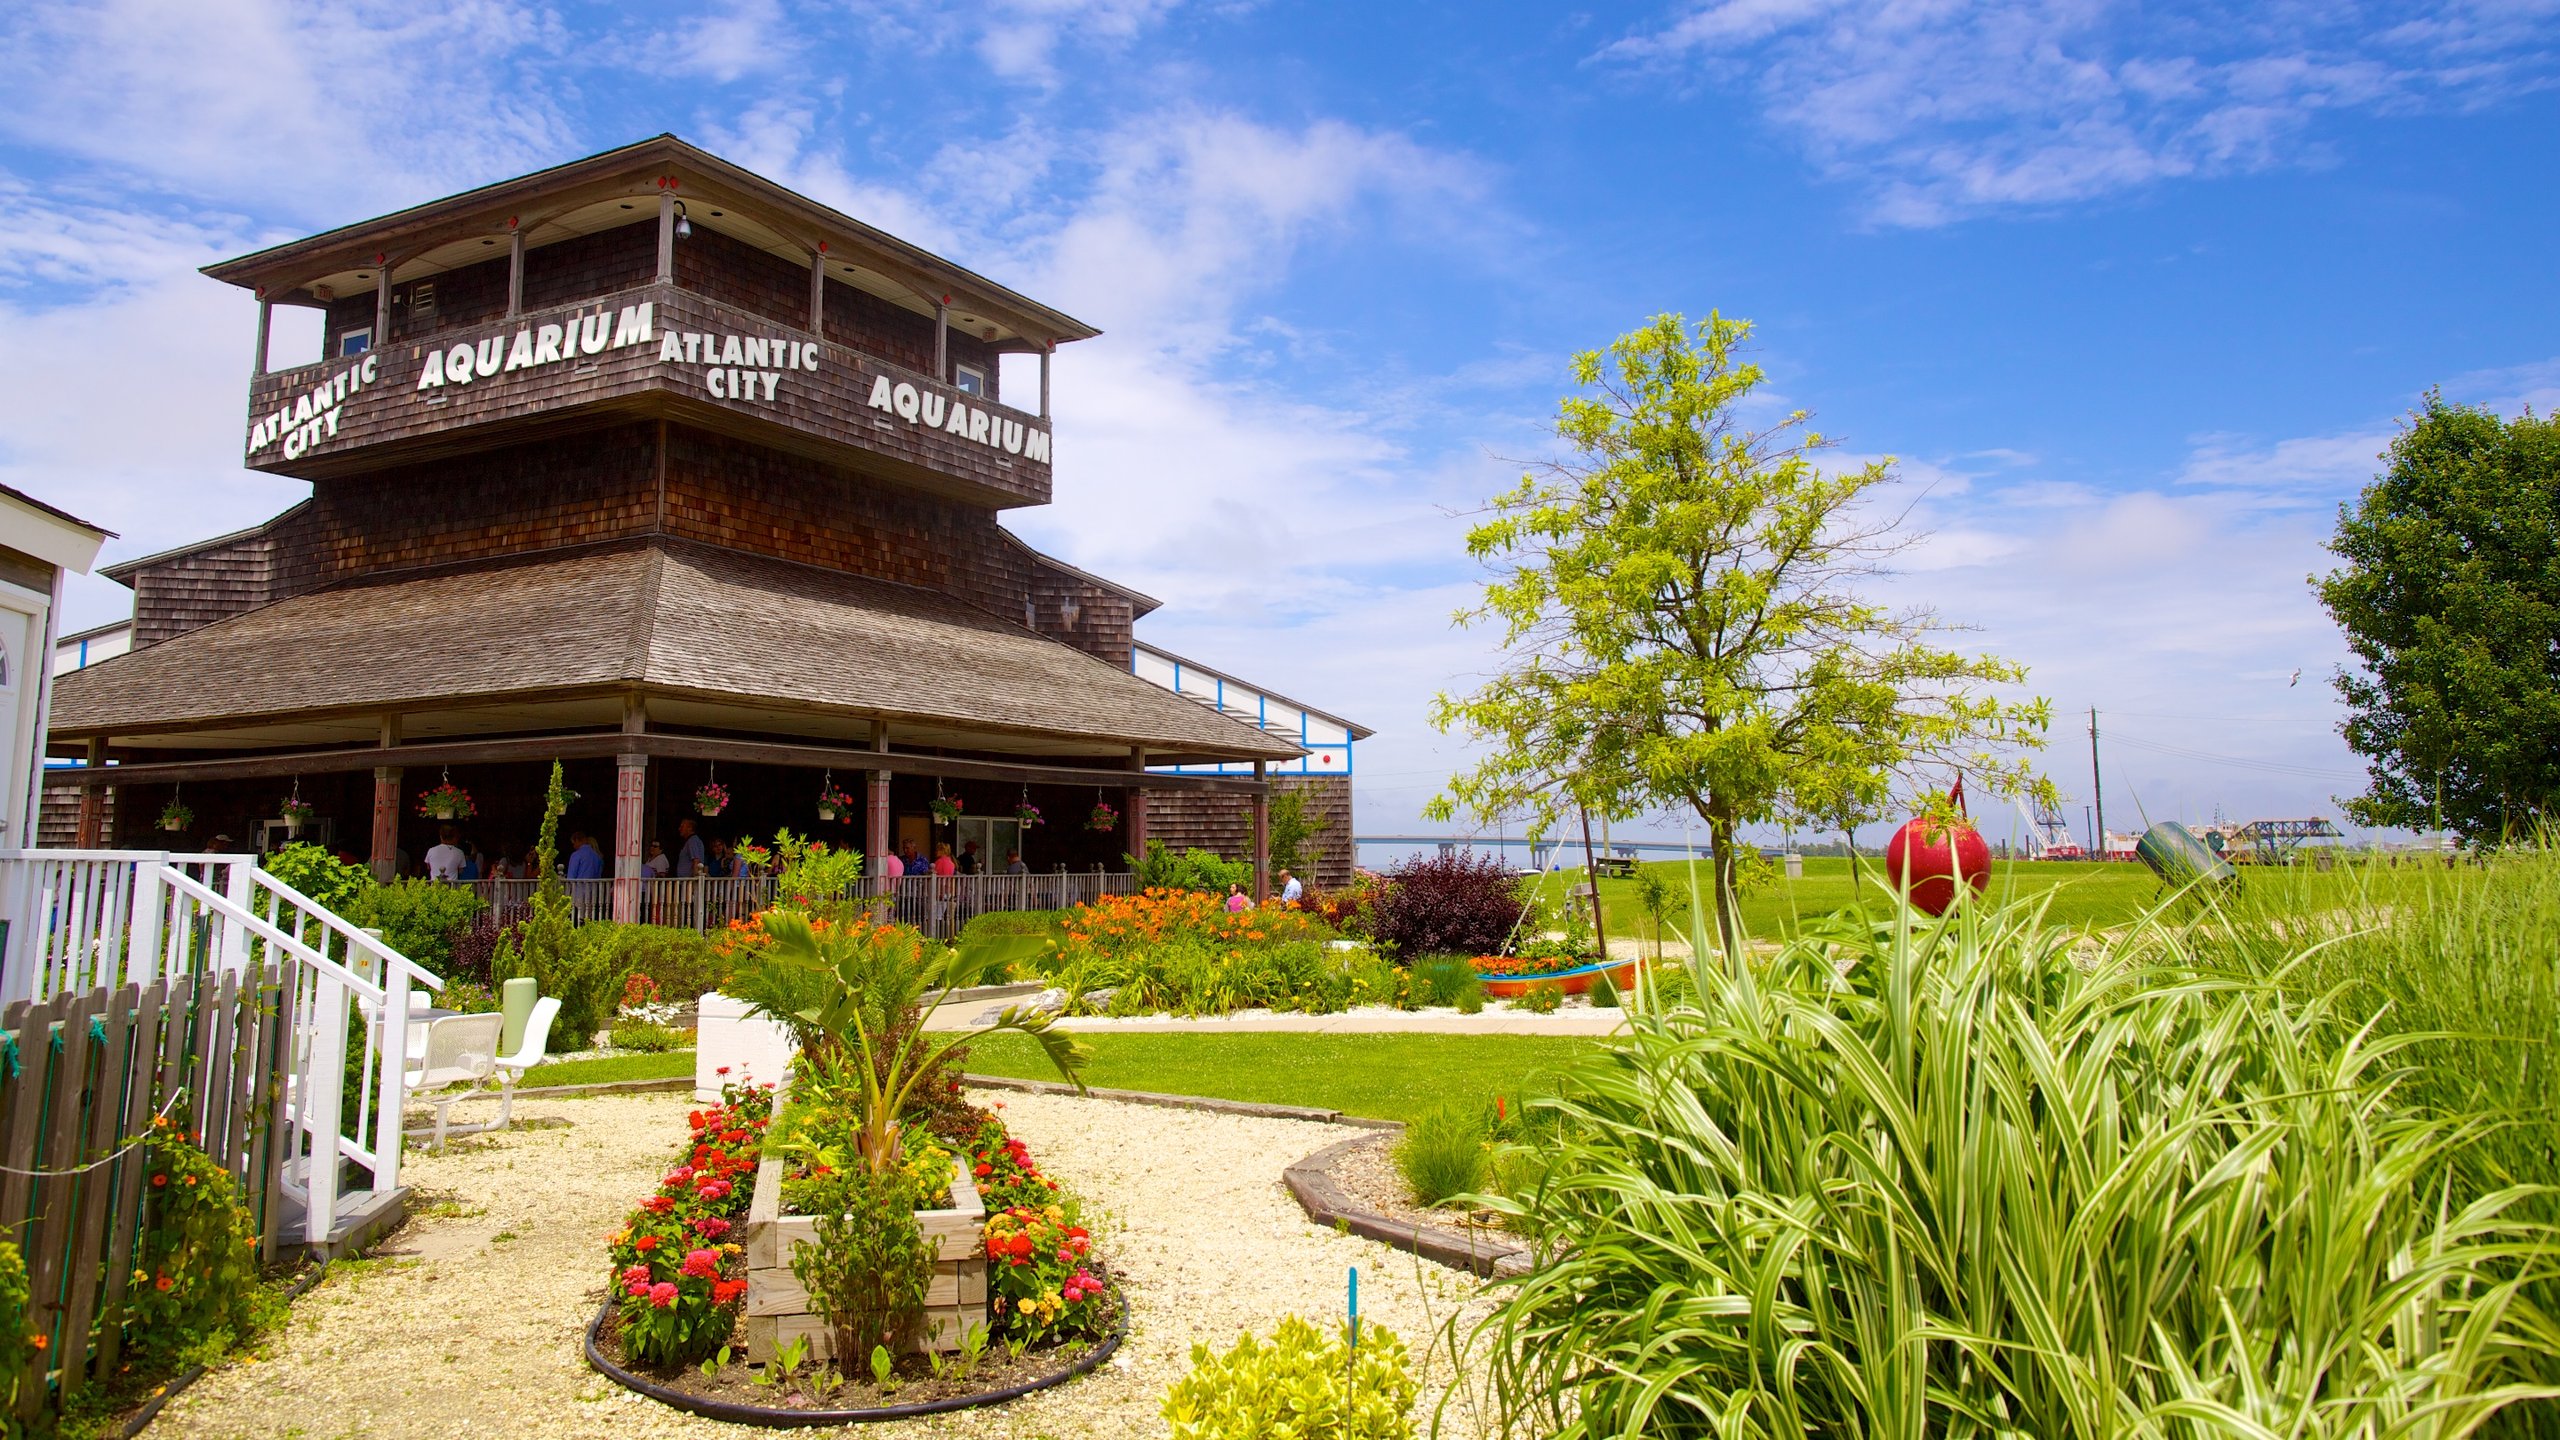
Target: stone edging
[(1310, 1181), (605, 1087)]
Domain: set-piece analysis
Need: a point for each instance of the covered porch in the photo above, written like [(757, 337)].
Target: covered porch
[(359, 700)]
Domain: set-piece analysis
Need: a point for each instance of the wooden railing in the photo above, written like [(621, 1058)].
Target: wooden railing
[(937, 905), (88, 1072)]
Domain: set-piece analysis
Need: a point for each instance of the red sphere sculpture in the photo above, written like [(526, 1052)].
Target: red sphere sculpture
[(1927, 857)]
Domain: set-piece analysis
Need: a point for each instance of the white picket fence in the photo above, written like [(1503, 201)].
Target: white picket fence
[(86, 919)]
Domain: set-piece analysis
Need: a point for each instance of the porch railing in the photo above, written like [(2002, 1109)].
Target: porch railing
[(937, 905), (80, 920)]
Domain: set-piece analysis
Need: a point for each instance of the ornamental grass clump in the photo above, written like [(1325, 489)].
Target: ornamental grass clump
[(1959, 1179), (1442, 1153), (1300, 1382)]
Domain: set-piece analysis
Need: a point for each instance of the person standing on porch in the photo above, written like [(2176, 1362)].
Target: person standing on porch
[(1013, 863), (585, 861), (445, 858), (657, 865), (968, 862), (889, 866), (689, 854)]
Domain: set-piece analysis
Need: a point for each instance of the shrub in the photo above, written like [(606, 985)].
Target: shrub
[(867, 1270), (643, 1036), (1462, 902), (421, 919), (1299, 1383), (475, 945), (1898, 1179), (580, 968), (1037, 1275), (683, 964), (1542, 997), (22, 1350), (1442, 1152), (194, 1293), (1200, 870), (1446, 980)]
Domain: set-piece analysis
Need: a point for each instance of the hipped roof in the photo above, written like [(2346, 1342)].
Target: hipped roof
[(661, 615)]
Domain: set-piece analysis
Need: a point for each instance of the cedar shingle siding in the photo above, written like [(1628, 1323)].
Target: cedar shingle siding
[(1193, 820)]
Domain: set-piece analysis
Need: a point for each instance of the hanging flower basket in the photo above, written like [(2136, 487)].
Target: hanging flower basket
[(295, 814), (447, 801), (833, 802), (176, 816), (1027, 814), (1103, 817), (711, 799), (946, 810)]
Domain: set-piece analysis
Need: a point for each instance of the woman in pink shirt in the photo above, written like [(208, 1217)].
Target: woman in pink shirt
[(1236, 903), (943, 864)]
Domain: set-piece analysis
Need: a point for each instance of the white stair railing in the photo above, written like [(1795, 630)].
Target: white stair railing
[(82, 919)]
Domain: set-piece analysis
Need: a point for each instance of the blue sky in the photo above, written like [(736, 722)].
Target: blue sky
[(2134, 292)]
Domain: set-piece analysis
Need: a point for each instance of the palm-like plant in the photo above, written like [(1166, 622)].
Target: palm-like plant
[(856, 996)]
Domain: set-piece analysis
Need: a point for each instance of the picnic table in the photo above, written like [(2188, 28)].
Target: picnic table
[(1615, 867)]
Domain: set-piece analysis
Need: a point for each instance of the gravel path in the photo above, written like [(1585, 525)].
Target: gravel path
[(468, 1320)]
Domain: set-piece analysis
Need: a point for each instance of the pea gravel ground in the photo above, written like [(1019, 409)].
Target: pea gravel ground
[(468, 1320)]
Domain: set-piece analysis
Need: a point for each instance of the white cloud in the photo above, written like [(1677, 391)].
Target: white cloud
[(321, 111), (1941, 109)]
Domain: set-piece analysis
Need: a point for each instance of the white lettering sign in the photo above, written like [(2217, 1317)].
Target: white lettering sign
[(313, 415), (532, 346), (955, 416), (738, 367)]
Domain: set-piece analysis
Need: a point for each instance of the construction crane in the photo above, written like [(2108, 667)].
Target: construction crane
[(2272, 842), (2048, 835)]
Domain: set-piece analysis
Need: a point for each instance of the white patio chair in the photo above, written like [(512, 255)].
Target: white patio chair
[(460, 1055), (529, 1052)]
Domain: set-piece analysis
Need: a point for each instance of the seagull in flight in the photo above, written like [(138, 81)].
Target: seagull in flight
[(2296, 680)]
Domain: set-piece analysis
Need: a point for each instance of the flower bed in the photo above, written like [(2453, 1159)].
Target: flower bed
[(679, 1268), (1506, 976)]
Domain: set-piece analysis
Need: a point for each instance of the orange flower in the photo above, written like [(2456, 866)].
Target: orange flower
[(163, 1283)]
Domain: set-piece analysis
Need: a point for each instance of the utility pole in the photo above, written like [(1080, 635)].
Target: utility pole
[(2097, 787)]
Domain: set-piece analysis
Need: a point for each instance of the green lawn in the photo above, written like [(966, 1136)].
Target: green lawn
[(2082, 892), (1379, 1077), (612, 1067)]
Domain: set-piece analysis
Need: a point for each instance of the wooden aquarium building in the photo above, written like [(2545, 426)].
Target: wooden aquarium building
[(651, 466)]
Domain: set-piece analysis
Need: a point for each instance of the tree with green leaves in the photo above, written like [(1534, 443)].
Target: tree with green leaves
[(2450, 599), (1680, 602), (1291, 825)]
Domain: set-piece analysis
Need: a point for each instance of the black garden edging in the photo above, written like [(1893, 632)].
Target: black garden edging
[(1310, 1181), (777, 1418)]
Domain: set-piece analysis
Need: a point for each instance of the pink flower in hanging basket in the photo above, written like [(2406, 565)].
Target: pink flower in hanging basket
[(711, 799)]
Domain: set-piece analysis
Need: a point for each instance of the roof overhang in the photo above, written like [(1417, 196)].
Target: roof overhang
[(618, 187)]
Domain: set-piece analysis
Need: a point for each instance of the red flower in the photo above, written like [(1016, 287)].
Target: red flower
[(636, 1287), (662, 1294), (724, 1291), (645, 1243), (711, 1227), (702, 1265), (163, 1283), (637, 1273), (723, 1070), (985, 1170), (658, 1204)]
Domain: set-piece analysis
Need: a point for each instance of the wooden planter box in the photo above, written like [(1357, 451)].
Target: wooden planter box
[(778, 1308)]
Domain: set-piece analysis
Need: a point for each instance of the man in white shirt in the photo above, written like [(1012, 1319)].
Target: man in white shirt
[(445, 859), (1291, 892)]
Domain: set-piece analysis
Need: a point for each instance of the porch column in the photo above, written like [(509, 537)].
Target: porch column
[(93, 802), (266, 324), (1261, 835), (630, 792), (385, 849), (1136, 808), (382, 302), (666, 235), (1047, 349), (876, 839), (386, 823), (942, 339), (818, 291)]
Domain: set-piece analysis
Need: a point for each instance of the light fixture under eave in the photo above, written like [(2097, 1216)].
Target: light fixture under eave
[(684, 223)]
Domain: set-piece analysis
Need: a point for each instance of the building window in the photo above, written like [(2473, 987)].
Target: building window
[(355, 342), (969, 379)]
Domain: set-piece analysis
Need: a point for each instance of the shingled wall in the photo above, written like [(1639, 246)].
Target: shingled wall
[(602, 485), (1188, 820)]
